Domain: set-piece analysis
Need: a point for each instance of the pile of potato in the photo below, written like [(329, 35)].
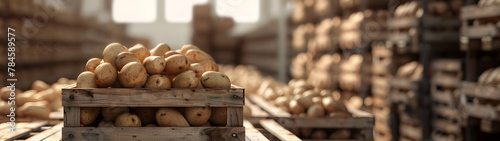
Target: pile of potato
[(37, 102), (412, 71), (160, 67), (490, 76), (435, 7)]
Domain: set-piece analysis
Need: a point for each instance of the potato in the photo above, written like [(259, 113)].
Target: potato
[(197, 116), (88, 115), (218, 116), (55, 104), (64, 80), (209, 65), (105, 74), (86, 80), (124, 58), (340, 114), (46, 95), (318, 134), (311, 93), (170, 53), (133, 75), (306, 132), (146, 114), (170, 117), (325, 93), (247, 112), (212, 79), (158, 81), (5, 93), (39, 85), (197, 68), (128, 120), (198, 55), (295, 107), (331, 105), (5, 108), (176, 64), (315, 111), (106, 123), (355, 102), (92, 64), (34, 109), (160, 49), (140, 51), (110, 113), (186, 79), (111, 51), (150, 125), (317, 100), (305, 102), (25, 97), (340, 134), (186, 48), (154, 64)]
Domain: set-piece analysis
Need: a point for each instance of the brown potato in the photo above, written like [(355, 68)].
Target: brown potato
[(128, 120), (106, 123), (197, 116), (154, 64), (186, 48), (5, 93), (64, 80), (295, 107), (111, 51), (170, 117), (209, 65), (186, 79), (160, 49), (110, 113), (39, 85), (340, 134), (176, 64), (212, 79), (305, 102), (105, 74), (46, 95), (218, 116), (146, 114), (315, 111), (247, 112), (133, 75), (331, 105), (197, 68), (34, 109), (5, 108), (158, 81), (88, 115), (170, 53), (140, 51), (198, 55), (92, 64), (86, 80), (124, 58)]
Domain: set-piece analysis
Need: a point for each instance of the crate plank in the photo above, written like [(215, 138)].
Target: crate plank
[(234, 117), (273, 110), (480, 111), (333, 122), (480, 91), (411, 131), (443, 97), (54, 129), (153, 133), (54, 137), (403, 83), (278, 131), (71, 116), (448, 112), (22, 131), (447, 126), (253, 134), (479, 31), (475, 12)]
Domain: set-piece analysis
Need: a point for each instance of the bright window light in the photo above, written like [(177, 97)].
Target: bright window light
[(242, 11), (134, 11), (180, 11)]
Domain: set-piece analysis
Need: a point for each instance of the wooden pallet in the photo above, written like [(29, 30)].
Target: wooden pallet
[(268, 130), (360, 120), (257, 113), (54, 116), (75, 98), (488, 33), (410, 127), (477, 100), (400, 90), (32, 131)]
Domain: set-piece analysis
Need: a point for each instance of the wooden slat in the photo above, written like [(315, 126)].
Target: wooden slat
[(256, 111), (333, 122), (480, 91), (448, 112), (450, 36), (403, 22), (447, 126), (480, 111), (411, 132), (278, 131), (403, 83), (454, 65), (55, 129), (141, 97), (273, 110), (446, 82), (153, 133), (54, 137), (479, 31), (253, 134), (477, 12), (443, 97), (234, 117), (71, 116), (22, 131)]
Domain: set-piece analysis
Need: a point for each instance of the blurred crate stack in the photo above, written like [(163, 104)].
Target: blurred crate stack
[(53, 40), (382, 58), (445, 94)]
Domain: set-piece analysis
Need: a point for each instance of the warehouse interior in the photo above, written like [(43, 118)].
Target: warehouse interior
[(351, 70)]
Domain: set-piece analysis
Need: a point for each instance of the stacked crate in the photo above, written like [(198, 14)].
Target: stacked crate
[(447, 74), (382, 58)]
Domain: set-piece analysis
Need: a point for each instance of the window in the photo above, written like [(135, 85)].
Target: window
[(134, 11), (242, 11), (180, 11)]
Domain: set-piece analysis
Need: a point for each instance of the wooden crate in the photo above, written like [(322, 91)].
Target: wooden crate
[(360, 120), (479, 22), (410, 127), (481, 101), (32, 131), (257, 113), (75, 98), (267, 130), (401, 92)]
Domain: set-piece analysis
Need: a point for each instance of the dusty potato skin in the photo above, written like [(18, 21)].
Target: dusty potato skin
[(186, 79), (86, 80), (133, 75), (212, 79), (176, 64), (146, 114), (184, 49), (170, 53), (110, 113), (209, 65), (197, 68), (92, 64), (88, 115), (124, 58), (111, 51), (170, 117), (315, 111), (197, 116), (140, 51), (218, 116), (198, 55), (160, 49), (158, 81), (295, 107), (154, 64), (128, 120), (105, 74)]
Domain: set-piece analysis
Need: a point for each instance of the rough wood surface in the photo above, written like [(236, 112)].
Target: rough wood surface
[(403, 83), (447, 126), (271, 109), (480, 91), (153, 133), (410, 131), (480, 111), (44, 134), (234, 117), (476, 12), (253, 134), (22, 129), (71, 116), (278, 131)]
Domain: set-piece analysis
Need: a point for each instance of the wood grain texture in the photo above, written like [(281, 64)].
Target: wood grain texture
[(271, 109), (234, 117), (253, 134), (21, 130), (278, 131), (476, 12), (142, 97), (44, 134), (71, 116), (333, 122), (485, 91), (153, 133), (480, 111)]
